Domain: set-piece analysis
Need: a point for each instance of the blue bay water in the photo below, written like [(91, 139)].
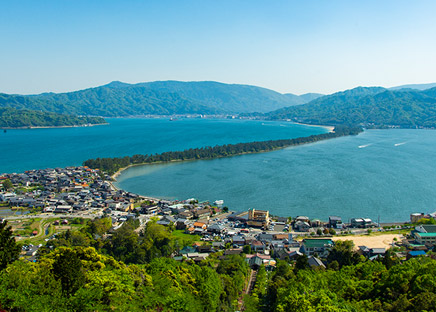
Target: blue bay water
[(384, 174), (59, 147)]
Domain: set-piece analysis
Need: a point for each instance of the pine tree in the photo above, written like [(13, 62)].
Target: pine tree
[(9, 250)]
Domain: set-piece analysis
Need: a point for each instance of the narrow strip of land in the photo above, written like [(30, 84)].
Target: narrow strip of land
[(114, 165)]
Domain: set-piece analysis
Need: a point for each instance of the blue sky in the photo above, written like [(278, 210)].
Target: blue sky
[(288, 46)]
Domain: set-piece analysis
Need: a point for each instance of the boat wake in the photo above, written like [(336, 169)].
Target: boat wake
[(363, 146), (398, 144)]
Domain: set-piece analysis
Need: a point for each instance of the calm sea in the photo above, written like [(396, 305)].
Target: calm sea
[(47, 148), (380, 173)]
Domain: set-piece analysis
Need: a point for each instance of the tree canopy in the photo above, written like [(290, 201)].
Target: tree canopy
[(9, 249)]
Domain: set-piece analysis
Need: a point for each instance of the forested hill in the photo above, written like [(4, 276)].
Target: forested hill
[(371, 107), (17, 118), (158, 98)]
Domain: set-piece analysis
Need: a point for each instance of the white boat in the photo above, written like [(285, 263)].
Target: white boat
[(219, 202)]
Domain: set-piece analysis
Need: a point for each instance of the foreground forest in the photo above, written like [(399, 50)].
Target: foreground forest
[(88, 271)]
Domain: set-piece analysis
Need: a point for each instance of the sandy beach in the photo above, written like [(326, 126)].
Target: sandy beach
[(329, 128), (371, 241)]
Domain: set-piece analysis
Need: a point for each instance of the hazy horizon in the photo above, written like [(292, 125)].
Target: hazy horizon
[(387, 87)]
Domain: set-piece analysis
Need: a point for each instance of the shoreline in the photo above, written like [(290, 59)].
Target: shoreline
[(53, 127), (119, 171), (329, 128)]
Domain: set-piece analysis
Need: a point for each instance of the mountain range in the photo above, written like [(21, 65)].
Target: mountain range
[(118, 99), (423, 86), (371, 107), (403, 106)]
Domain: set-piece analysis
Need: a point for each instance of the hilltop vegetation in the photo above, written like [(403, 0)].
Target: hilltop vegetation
[(19, 118), (85, 270), (80, 273), (157, 98), (371, 107), (380, 285)]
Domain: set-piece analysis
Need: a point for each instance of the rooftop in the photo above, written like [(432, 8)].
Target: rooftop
[(426, 234), (429, 228), (415, 253), (335, 218), (317, 242)]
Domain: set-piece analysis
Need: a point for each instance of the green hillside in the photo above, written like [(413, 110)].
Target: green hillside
[(371, 107), (157, 98), (16, 118), (86, 270)]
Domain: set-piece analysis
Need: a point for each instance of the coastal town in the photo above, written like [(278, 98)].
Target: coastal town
[(61, 195)]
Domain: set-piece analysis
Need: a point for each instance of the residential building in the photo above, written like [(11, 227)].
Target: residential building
[(357, 222), (301, 226), (335, 222), (258, 218), (202, 213), (425, 238), (318, 246), (415, 217)]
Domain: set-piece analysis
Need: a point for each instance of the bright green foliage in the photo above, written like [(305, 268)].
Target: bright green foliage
[(71, 238), (426, 221), (99, 226), (259, 291), (233, 272), (153, 242), (69, 279), (89, 235), (9, 250), (368, 286), (104, 284), (82, 279)]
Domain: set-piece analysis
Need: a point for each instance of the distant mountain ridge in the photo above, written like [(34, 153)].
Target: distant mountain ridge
[(422, 86), (118, 99), (371, 107), (403, 106)]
